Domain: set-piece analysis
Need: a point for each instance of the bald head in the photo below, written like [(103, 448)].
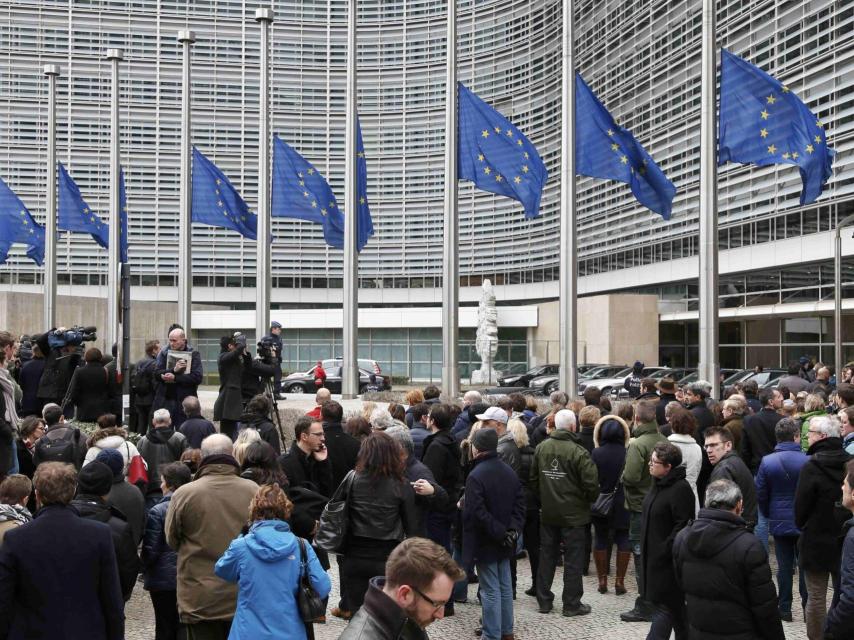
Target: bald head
[(322, 395), (177, 339), (217, 444)]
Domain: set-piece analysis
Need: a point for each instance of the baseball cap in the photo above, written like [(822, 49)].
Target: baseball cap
[(493, 413)]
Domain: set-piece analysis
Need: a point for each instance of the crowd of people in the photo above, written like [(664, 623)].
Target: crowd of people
[(234, 530)]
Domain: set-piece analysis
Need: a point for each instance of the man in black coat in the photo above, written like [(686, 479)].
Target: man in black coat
[(142, 385), (176, 381), (229, 402), (257, 416), (667, 509), (819, 517), (343, 448), (195, 427), (58, 574), (758, 439), (59, 366), (441, 454), (723, 570), (307, 463), (93, 484), (727, 465), (840, 618), (274, 338)]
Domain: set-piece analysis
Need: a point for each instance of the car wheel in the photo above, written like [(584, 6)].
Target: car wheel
[(362, 389), (295, 389), (606, 391), (551, 387)]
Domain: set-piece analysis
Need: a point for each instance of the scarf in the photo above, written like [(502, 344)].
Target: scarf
[(221, 458), (7, 387)]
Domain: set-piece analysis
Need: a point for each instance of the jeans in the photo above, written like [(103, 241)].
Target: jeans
[(574, 539), (461, 588), (496, 597), (761, 530), (815, 612), (786, 550), (666, 619), (165, 605)]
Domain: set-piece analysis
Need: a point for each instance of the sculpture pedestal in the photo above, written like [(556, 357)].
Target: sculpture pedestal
[(482, 376)]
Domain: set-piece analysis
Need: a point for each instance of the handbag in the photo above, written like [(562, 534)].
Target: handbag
[(332, 530), (604, 503), (311, 605), (137, 473)]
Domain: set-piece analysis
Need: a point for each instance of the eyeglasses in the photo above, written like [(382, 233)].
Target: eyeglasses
[(712, 445), (652, 462), (436, 605), (318, 434)]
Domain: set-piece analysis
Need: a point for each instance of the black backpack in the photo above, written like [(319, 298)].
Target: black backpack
[(58, 445), (142, 382)]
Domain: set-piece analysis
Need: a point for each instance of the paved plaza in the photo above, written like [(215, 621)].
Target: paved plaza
[(603, 622)]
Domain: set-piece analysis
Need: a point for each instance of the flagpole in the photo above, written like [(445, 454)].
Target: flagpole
[(262, 257), (114, 248), (185, 227), (708, 289), (568, 250), (350, 330), (52, 72), (450, 257)]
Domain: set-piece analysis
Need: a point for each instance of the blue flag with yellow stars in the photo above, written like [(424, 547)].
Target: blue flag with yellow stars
[(73, 214), (607, 151), (496, 156), (17, 225), (762, 122), (365, 225), (216, 201), (300, 191), (123, 218)]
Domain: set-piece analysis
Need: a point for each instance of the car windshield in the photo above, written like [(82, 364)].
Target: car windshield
[(691, 377), (604, 372), (661, 373), (737, 376)]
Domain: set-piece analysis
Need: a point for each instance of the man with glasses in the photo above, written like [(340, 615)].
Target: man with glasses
[(728, 466), (307, 463), (419, 576)]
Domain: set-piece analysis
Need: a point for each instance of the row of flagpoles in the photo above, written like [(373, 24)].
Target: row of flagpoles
[(761, 122)]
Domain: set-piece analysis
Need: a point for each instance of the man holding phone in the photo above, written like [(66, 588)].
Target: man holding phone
[(307, 463)]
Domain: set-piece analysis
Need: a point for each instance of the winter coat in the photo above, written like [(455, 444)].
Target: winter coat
[(160, 447), (805, 427), (705, 418), (664, 399), (494, 504), (128, 499), (381, 509), (95, 508), (610, 459), (196, 429), (794, 384), (816, 514), (381, 618), (266, 564), (438, 501), (419, 433), (254, 377), (776, 484), (91, 392), (731, 467), (203, 518), (692, 460), (170, 395), (265, 428), (58, 369), (31, 374), (111, 438), (78, 440), (735, 424), (636, 479), (566, 480), (667, 509), (509, 452), (585, 435), (304, 471), (758, 439), (159, 560), (11, 516), (69, 589), (343, 451), (442, 456), (526, 461), (723, 571), (840, 618), (142, 381), (229, 402)]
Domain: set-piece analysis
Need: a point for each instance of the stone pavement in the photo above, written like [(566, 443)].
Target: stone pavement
[(603, 622)]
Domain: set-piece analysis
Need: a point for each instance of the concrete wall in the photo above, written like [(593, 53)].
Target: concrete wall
[(613, 329)]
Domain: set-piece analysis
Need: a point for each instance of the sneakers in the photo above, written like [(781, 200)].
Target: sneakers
[(341, 613), (581, 610)]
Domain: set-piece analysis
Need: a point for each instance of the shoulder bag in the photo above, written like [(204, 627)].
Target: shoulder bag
[(311, 605), (332, 530), (603, 507)]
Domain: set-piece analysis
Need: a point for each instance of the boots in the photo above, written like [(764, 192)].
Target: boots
[(600, 556), (623, 558)]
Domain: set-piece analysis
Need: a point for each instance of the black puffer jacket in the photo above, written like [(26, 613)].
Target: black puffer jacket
[(816, 514), (159, 561), (723, 570), (94, 508), (526, 461)]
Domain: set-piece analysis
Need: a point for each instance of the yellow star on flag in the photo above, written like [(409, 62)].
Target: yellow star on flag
[(509, 133), (771, 99), (484, 133), (314, 204), (498, 178), (786, 156), (772, 149), (526, 155), (785, 89), (764, 114), (311, 172), (480, 157), (817, 139), (361, 154), (810, 148), (517, 179), (614, 146), (795, 155), (519, 141), (611, 133), (524, 168), (362, 200), (624, 159), (305, 193), (763, 133), (497, 129), (323, 212), (818, 123), (218, 181), (487, 171)]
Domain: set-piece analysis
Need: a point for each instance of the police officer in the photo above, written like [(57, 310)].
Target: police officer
[(275, 336), (633, 382)]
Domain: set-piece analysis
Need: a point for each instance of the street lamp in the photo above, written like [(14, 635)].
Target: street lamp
[(837, 297)]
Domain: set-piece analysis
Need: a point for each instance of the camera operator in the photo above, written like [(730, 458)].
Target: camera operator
[(274, 338), (62, 353), (91, 391), (257, 372), (176, 381), (229, 402)]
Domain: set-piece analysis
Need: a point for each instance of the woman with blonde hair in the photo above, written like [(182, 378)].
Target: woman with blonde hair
[(267, 564), (813, 406), (244, 439), (412, 397)]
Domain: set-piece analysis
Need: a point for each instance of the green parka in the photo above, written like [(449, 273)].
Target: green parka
[(636, 479)]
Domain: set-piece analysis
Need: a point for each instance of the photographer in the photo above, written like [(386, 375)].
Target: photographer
[(175, 379), (62, 353), (274, 339), (229, 402), (90, 390), (257, 372)]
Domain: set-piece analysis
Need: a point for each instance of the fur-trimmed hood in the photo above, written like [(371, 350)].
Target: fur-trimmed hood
[(603, 420), (101, 434)]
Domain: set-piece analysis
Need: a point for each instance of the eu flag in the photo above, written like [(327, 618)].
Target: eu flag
[(607, 151), (495, 155), (17, 225), (73, 214), (762, 122), (365, 226), (300, 191), (216, 201), (123, 218)]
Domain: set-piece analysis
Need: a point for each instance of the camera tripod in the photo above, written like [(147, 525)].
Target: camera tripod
[(275, 418)]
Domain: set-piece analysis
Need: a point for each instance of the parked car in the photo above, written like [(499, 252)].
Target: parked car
[(522, 379), (673, 374), (364, 363), (606, 385), (304, 382), (695, 375), (548, 384)]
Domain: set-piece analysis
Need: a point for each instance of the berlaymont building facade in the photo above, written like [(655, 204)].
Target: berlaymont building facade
[(637, 272)]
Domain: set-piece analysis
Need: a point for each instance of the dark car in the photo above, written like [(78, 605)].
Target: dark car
[(548, 384), (522, 379), (695, 375), (304, 382)]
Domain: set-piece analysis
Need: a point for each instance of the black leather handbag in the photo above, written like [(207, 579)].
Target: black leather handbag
[(311, 605), (332, 530), (603, 507)]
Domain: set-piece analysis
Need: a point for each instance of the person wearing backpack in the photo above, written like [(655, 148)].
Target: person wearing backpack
[(162, 445), (62, 442), (142, 385)]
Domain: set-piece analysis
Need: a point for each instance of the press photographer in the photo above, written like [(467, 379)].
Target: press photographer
[(178, 374), (229, 402), (259, 373), (62, 352), (274, 338)]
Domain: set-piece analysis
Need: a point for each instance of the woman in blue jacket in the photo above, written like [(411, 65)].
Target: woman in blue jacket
[(266, 565)]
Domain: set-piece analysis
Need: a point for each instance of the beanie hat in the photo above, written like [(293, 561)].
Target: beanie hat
[(95, 479), (114, 460), (485, 440)]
